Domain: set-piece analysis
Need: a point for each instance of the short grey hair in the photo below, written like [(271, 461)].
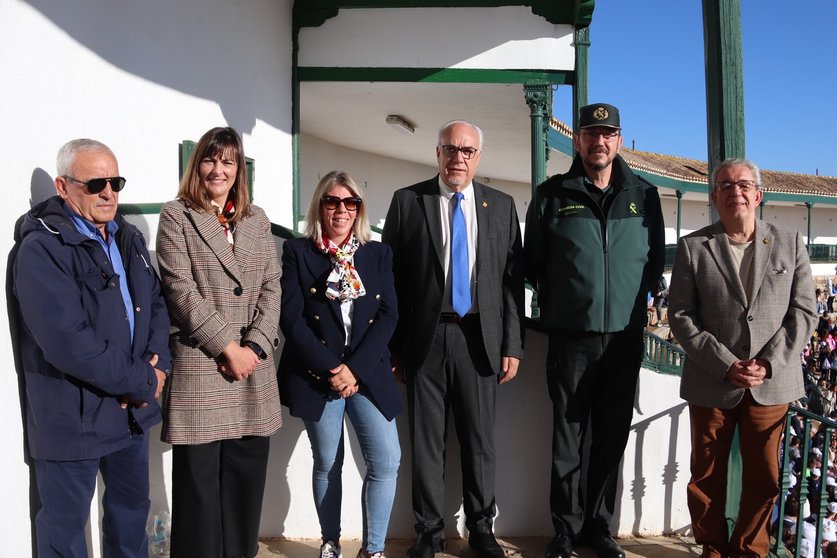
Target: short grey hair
[(447, 125), (736, 163), (67, 153)]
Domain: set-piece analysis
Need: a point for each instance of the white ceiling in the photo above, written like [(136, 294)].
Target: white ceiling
[(352, 114)]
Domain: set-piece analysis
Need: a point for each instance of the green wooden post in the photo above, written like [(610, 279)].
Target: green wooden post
[(539, 99), (724, 83), (580, 88), (725, 137), (679, 194)]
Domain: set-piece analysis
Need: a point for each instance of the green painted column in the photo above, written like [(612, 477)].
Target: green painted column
[(725, 139), (539, 99), (582, 50), (809, 206), (724, 83), (679, 194)]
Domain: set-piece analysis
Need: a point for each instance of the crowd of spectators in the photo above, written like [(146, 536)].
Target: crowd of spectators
[(806, 476)]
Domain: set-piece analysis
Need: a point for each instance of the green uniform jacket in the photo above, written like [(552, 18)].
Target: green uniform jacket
[(593, 271)]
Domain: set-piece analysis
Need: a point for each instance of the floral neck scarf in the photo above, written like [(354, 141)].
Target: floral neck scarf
[(343, 282), (224, 215)]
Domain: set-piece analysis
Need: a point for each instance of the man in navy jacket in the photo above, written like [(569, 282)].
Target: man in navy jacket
[(93, 346)]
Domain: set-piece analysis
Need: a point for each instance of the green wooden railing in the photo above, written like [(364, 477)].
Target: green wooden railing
[(779, 549), (662, 356)]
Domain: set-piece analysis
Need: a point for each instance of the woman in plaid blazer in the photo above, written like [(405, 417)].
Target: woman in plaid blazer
[(220, 276)]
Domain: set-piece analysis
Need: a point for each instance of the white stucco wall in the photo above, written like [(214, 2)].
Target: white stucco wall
[(508, 37)]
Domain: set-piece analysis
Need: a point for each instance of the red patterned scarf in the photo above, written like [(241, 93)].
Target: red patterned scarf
[(224, 217)]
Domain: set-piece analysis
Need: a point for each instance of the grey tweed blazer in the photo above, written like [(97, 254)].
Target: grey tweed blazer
[(717, 323), (216, 295)]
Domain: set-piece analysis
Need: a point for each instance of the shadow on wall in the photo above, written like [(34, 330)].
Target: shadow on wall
[(176, 44), (674, 415)]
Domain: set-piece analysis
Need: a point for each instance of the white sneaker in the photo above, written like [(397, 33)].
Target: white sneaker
[(363, 554), (330, 549)]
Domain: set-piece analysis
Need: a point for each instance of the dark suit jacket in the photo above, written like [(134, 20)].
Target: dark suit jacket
[(717, 322), (314, 334), (413, 230)]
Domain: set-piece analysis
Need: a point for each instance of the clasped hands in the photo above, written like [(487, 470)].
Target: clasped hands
[(343, 381), (237, 361), (748, 373)]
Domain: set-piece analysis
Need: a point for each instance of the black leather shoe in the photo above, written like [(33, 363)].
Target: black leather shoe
[(425, 547), (561, 546), (483, 541), (605, 546)]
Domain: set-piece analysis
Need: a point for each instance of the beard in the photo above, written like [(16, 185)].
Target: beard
[(599, 164)]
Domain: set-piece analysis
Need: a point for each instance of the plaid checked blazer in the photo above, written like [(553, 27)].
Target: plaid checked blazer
[(217, 294)]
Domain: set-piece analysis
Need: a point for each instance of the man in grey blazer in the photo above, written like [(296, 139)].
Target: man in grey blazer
[(742, 306), (455, 340)]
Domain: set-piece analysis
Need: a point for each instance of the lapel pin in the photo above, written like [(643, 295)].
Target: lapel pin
[(485, 204), (764, 241)]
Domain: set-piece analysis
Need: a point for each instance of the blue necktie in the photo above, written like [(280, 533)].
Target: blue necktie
[(460, 295)]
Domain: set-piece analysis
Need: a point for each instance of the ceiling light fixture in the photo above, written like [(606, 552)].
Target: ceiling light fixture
[(400, 124)]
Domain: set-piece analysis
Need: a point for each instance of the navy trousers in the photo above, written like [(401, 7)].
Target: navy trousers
[(66, 489)]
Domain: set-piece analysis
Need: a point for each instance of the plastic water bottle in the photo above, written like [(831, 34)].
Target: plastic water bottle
[(158, 529)]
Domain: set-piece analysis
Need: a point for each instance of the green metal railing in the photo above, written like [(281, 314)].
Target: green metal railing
[(662, 356), (822, 253), (779, 548)]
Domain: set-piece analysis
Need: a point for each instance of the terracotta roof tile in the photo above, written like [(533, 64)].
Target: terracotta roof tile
[(691, 170)]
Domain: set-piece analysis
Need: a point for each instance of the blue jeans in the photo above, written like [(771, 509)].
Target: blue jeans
[(378, 440)]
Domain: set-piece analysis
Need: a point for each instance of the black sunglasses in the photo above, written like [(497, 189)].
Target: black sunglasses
[(351, 203), (96, 185)]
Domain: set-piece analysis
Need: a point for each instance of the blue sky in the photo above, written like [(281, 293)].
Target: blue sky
[(647, 59)]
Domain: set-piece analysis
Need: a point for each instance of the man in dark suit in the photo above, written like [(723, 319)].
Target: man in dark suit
[(742, 307), (458, 278)]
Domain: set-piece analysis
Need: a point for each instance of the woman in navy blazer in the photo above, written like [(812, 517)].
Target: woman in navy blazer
[(338, 314)]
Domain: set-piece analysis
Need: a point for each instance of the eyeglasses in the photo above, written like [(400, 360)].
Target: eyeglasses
[(351, 203), (96, 185), (451, 151), (592, 134), (743, 185)]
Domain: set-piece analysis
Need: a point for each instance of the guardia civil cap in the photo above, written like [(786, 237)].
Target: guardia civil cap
[(599, 114)]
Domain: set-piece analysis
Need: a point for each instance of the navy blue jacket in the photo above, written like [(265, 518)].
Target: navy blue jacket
[(314, 335), (74, 339)]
